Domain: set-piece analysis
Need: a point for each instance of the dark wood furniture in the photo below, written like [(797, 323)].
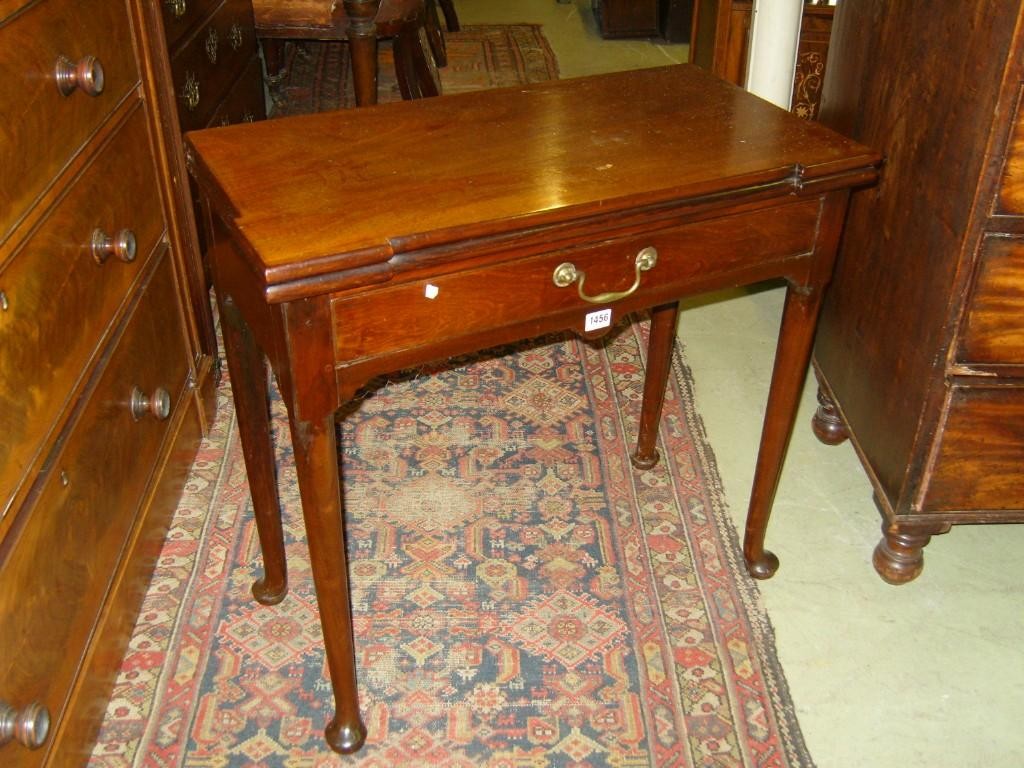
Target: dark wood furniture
[(375, 251), (628, 18), (920, 352), (214, 62), (215, 72), (670, 19), (105, 383), (413, 25), (720, 41)]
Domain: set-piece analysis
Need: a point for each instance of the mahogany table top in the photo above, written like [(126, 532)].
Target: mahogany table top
[(315, 195)]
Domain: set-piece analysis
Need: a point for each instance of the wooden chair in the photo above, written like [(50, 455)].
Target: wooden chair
[(413, 25), (451, 18)]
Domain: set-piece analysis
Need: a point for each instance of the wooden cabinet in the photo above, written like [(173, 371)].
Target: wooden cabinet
[(920, 349), (721, 39), (105, 370), (645, 18), (215, 68), (214, 62)]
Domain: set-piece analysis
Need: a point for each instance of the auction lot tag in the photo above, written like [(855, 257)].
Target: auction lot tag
[(597, 320)]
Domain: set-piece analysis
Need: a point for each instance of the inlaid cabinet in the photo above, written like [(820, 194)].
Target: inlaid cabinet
[(920, 347), (721, 39), (106, 379)]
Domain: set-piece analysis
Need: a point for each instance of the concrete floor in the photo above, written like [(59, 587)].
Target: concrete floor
[(929, 674)]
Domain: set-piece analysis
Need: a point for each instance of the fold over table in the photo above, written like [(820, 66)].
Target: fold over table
[(350, 244)]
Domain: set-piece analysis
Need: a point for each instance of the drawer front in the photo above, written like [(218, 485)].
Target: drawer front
[(980, 461), (209, 62), (404, 317), (993, 326), (180, 16), (60, 301), (245, 102), (1010, 198), (42, 129), (57, 568)]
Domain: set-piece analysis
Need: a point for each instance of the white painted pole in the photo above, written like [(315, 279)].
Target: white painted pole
[(774, 37)]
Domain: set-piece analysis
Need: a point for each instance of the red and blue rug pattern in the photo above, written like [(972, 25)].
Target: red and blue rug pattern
[(522, 596)]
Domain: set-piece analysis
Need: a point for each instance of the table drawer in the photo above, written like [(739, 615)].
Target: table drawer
[(689, 258), (980, 460), (993, 326), (60, 301), (42, 129), (58, 566), (245, 102), (209, 62)]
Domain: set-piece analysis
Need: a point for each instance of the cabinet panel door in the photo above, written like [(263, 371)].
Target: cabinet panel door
[(628, 18)]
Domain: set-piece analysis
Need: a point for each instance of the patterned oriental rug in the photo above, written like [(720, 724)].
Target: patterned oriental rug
[(522, 597), (317, 76)]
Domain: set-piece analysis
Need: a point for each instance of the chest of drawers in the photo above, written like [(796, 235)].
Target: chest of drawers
[(215, 70), (214, 62), (920, 350), (105, 382)]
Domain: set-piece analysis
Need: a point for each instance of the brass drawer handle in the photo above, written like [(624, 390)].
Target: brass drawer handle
[(190, 91), (566, 274), (29, 727), (121, 245), (86, 73), (157, 405), (178, 7), (235, 36), (212, 41)]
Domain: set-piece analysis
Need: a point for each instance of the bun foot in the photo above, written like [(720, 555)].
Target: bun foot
[(645, 462), (827, 425), (896, 568), (763, 567), (345, 739), (899, 556), (269, 594)]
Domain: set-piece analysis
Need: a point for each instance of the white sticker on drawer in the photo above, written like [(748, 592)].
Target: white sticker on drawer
[(596, 320)]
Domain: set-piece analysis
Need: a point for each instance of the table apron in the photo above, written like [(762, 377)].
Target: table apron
[(445, 314)]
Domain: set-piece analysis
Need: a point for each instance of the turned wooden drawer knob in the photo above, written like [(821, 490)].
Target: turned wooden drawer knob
[(29, 727), (85, 74), (121, 245), (157, 405)]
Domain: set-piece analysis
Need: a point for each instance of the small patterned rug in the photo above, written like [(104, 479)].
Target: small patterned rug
[(523, 598), (317, 76)]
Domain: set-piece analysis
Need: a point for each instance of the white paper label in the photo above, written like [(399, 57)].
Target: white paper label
[(596, 320)]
